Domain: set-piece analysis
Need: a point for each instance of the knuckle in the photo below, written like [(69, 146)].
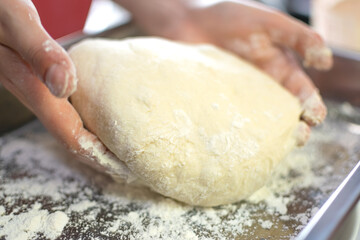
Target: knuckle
[(34, 54), (41, 55)]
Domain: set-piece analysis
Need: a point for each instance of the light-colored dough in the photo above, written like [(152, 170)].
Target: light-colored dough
[(192, 122)]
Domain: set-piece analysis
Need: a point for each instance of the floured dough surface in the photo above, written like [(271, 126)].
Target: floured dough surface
[(192, 122)]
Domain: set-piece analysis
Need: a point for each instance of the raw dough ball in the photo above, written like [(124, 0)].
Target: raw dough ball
[(192, 122)]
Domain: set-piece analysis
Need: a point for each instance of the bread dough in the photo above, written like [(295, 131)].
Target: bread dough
[(192, 122)]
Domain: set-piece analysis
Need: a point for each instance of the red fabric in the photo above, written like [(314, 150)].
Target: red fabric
[(62, 17)]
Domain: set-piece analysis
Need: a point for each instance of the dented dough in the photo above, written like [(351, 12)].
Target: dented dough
[(192, 122)]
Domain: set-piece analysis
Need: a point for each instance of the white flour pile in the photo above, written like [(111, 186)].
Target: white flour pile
[(46, 194), (25, 225)]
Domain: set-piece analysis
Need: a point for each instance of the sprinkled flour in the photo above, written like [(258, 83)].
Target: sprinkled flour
[(46, 194), (27, 224)]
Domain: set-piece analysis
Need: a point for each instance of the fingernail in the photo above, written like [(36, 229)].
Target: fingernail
[(60, 80), (314, 110)]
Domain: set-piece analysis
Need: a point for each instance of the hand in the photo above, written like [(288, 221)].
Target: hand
[(263, 36), (28, 59)]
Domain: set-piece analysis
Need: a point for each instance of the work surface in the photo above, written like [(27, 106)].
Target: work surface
[(46, 194)]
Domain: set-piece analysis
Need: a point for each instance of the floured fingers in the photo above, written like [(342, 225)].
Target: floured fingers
[(21, 31), (281, 64), (302, 133)]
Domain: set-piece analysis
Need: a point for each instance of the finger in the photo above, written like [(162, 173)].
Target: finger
[(104, 160), (57, 115), (256, 47), (21, 30), (303, 40), (298, 83), (259, 50), (314, 109), (283, 67), (243, 18), (287, 31), (302, 133)]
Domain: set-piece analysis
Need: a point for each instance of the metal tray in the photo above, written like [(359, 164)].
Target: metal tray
[(36, 170)]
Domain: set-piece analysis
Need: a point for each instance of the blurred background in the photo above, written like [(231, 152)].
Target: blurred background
[(338, 21)]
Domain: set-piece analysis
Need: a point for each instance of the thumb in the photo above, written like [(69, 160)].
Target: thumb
[(21, 30)]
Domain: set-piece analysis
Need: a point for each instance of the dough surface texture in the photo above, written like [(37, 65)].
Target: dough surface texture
[(192, 122)]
